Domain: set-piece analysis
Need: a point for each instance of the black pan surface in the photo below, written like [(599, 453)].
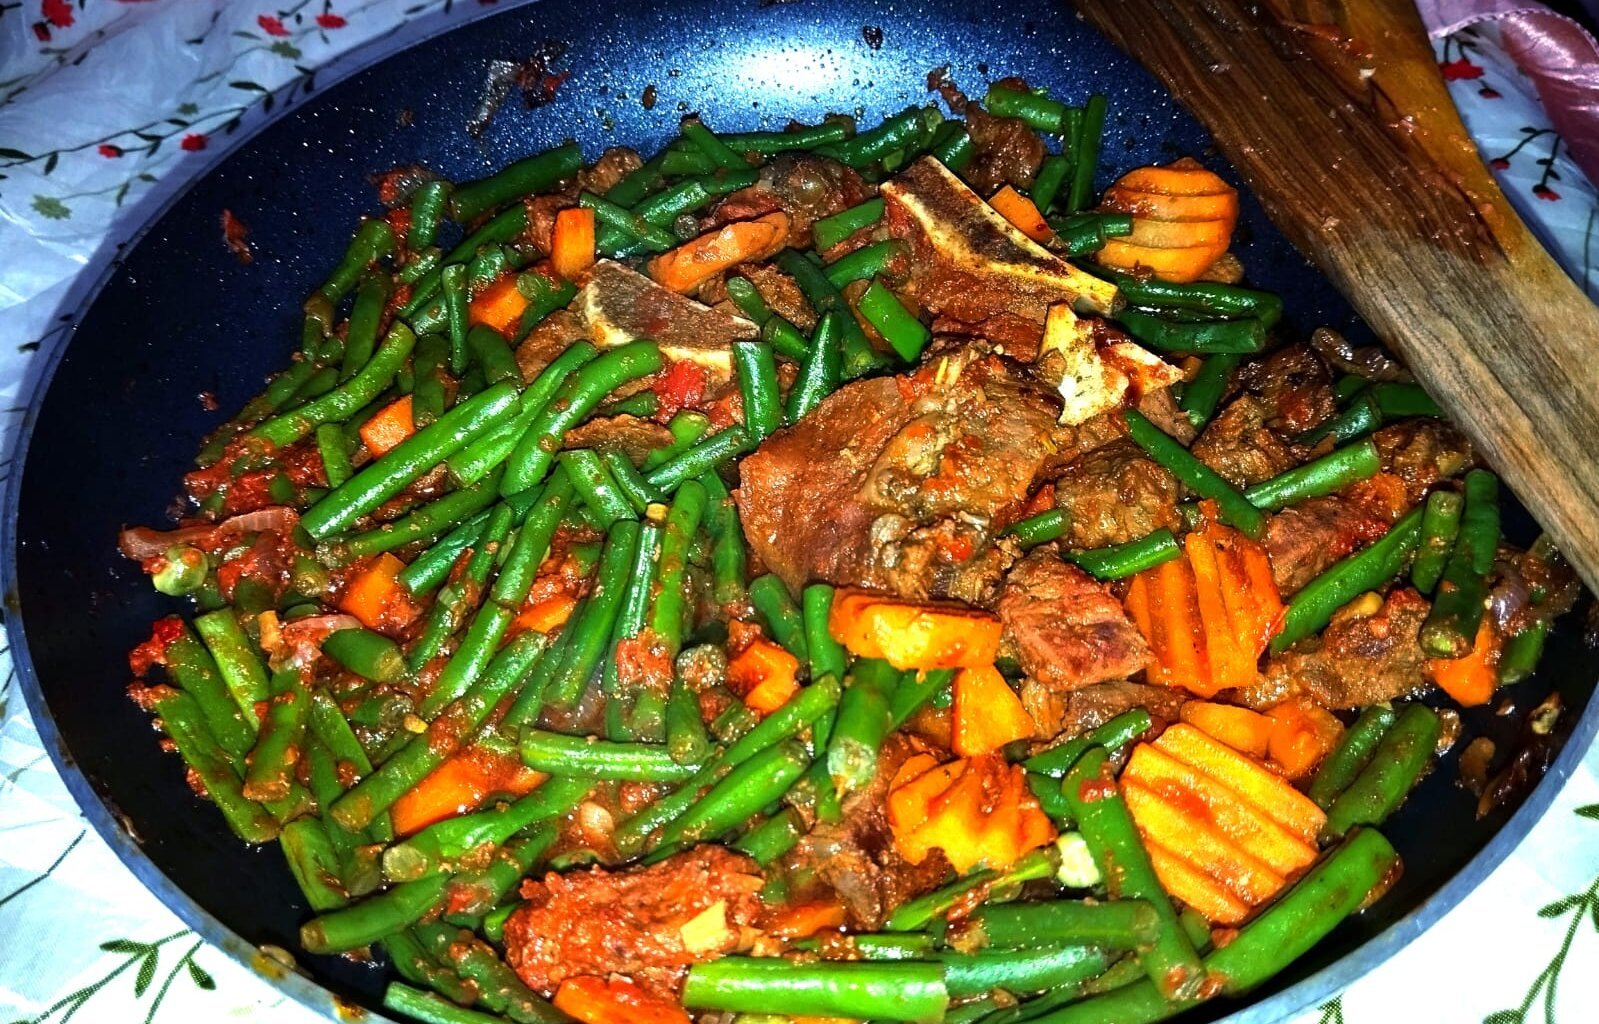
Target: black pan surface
[(116, 421)]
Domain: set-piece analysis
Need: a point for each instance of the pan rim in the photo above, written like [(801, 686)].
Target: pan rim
[(85, 291)]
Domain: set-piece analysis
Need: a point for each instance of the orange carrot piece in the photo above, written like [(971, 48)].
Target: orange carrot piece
[(1155, 206), (1178, 265), (1174, 634), (572, 242), (500, 305), (1239, 728), (1181, 178), (765, 675), (1201, 797), (1248, 778), (1470, 680), (377, 598), (1179, 234), (1201, 844), (1022, 213), (771, 694), (988, 713), (1137, 605), (388, 427), (1302, 734), (615, 1000), (1183, 220), (460, 785), (1270, 612), (545, 615), (683, 269), (1195, 888), (1229, 666), (802, 920), (911, 635), (910, 796)]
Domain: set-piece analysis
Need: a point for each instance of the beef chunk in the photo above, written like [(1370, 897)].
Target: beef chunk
[(1004, 152), (1069, 631), (1294, 385), (631, 435), (1066, 714), (613, 165), (893, 483), (1357, 660), (598, 923), (1115, 494), (855, 857), (1240, 446), (1422, 452), (1284, 394), (1306, 539), (806, 186)]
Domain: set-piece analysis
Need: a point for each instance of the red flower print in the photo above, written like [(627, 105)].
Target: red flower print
[(1488, 92), (109, 151), (271, 26), (56, 12), (41, 31), (1455, 70), (330, 21), (1499, 163), (1545, 192), (193, 143)]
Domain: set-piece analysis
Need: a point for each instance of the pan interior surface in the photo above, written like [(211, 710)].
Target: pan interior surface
[(181, 321)]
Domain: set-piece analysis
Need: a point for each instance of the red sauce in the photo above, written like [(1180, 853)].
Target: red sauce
[(154, 650), (682, 386)]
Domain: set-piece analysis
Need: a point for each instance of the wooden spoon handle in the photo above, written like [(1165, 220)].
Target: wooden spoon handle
[(1337, 118)]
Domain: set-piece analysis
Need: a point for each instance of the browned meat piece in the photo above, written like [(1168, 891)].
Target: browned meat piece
[(1115, 494), (1306, 539), (613, 165), (1004, 152), (1294, 385), (1240, 446), (962, 438), (541, 211), (806, 186), (631, 922), (1069, 631), (1422, 452), (1357, 660), (856, 858), (549, 339), (781, 294), (633, 436), (1160, 408), (1064, 715)]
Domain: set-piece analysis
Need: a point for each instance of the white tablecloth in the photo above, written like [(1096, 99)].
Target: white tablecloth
[(104, 100)]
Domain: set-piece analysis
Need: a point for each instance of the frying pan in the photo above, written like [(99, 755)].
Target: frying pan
[(116, 417)]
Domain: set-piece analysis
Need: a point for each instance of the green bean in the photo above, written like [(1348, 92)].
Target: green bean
[(369, 655), (1351, 756), (686, 738), (1040, 529), (683, 162), (748, 787), (544, 296), (429, 385), (478, 458), (313, 863), (777, 332), (373, 240), (895, 133), (1112, 735), (702, 138), (633, 229), (185, 723), (905, 334), (1204, 392), (488, 349), (538, 173), (670, 609), (601, 759), (804, 137), (470, 660), (478, 894), (592, 631), (183, 571), (1020, 970), (413, 964), (442, 844), (425, 523), (366, 922), (1313, 607), (953, 146), (821, 369), (864, 720), (1039, 112), (767, 842), (431, 1008), (427, 208), (277, 747), (1086, 153), (1047, 182), (577, 398), (642, 404), (430, 568), (1397, 763), (704, 457), (628, 480), (1361, 418), (691, 194), (1246, 336), (1103, 818), (876, 991), (1083, 234), (396, 470), (461, 595), (859, 357), (1120, 924), (638, 184), (1522, 652), (1200, 478), (596, 487), (335, 457), (1225, 301), (1395, 400), (782, 616), (1119, 560), (1440, 525), (630, 620), (366, 316), (498, 987), (235, 661), (338, 404), (1326, 475), (864, 263), (829, 231), (686, 427), (757, 382), (915, 690), (825, 654), (452, 281), (1458, 607)]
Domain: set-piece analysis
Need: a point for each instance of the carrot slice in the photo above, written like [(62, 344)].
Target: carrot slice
[(1239, 728), (1023, 213), (387, 427), (910, 635), (615, 1000), (1201, 844), (500, 305), (377, 598), (1250, 780), (1194, 888), (802, 920), (1249, 827), (689, 265), (1137, 605), (1181, 178), (460, 785), (988, 713), (765, 675), (1179, 265), (1470, 680), (1183, 220), (1302, 734), (572, 242), (1180, 234), (545, 615), (1154, 206), (1182, 644)]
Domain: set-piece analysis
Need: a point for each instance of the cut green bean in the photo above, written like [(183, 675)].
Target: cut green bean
[(340, 403), (1440, 525), (1461, 600), (757, 383), (826, 655), (1121, 560), (1203, 337), (905, 334), (1085, 153), (1313, 607), (1326, 475), (1198, 477), (591, 633), (369, 655), (829, 231), (596, 487), (1203, 394), (822, 368), (527, 176), (864, 263), (1395, 766), (1348, 759)]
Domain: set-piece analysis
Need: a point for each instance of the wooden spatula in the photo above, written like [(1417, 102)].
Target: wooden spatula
[(1336, 116)]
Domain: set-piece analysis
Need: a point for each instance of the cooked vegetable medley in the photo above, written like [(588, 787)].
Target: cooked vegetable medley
[(829, 573)]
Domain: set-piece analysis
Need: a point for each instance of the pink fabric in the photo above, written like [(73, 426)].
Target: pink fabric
[(1559, 56)]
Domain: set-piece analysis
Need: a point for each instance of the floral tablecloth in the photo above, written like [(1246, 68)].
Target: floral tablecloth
[(103, 101)]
